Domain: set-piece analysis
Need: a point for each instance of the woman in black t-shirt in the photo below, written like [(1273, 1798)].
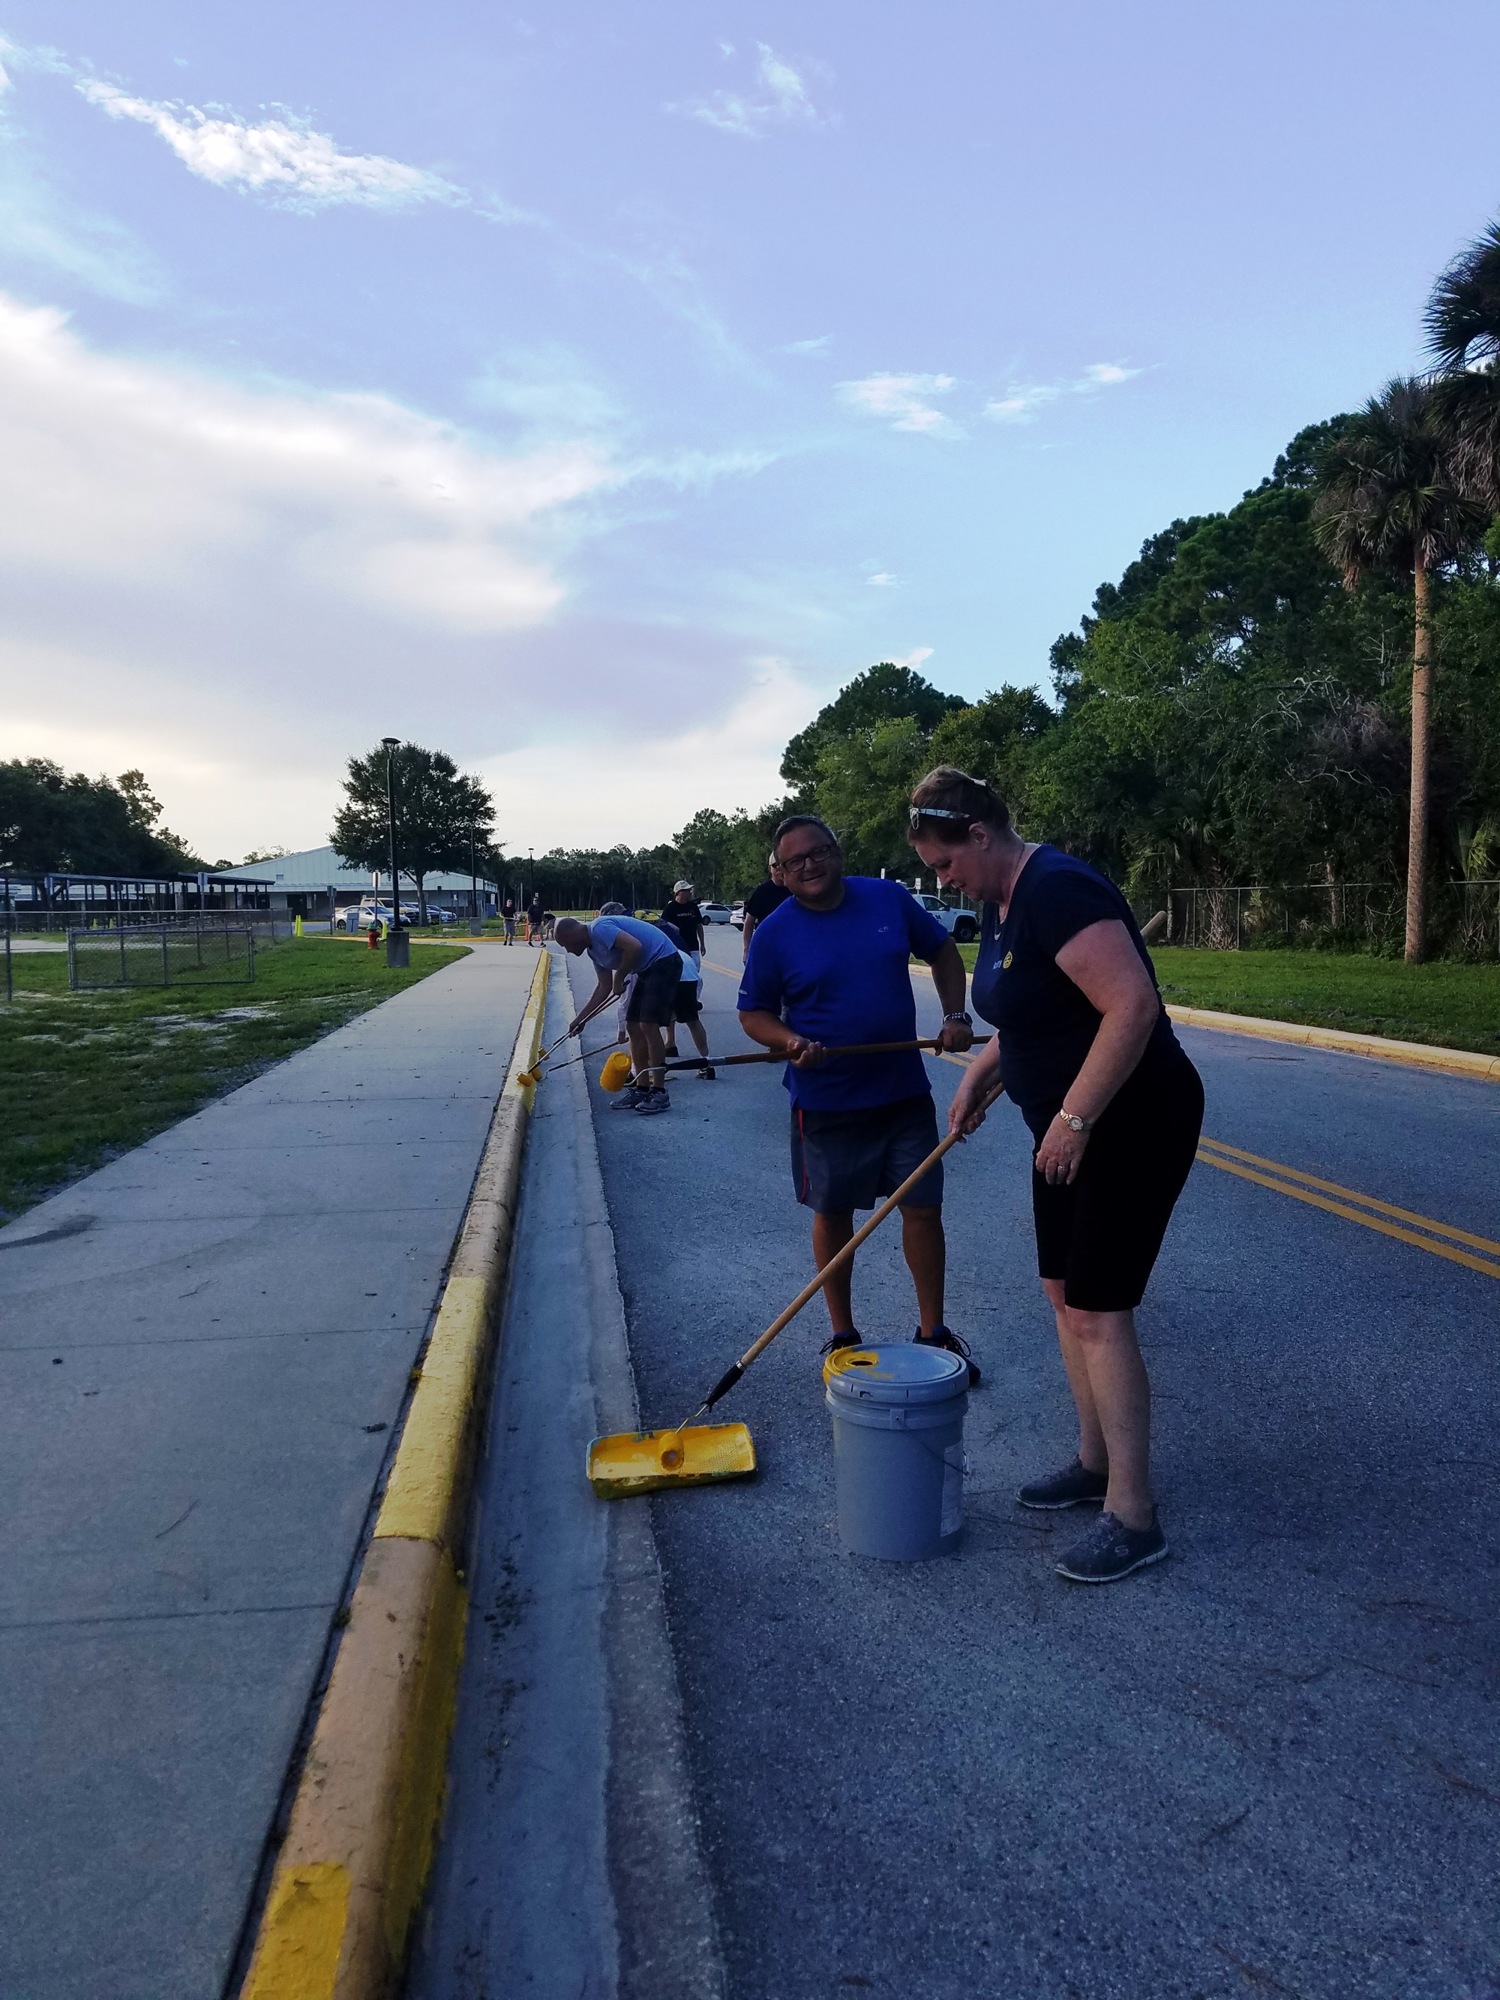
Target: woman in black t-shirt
[(1085, 1048)]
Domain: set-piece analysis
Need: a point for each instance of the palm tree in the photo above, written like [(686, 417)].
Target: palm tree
[(1463, 333), (1390, 499)]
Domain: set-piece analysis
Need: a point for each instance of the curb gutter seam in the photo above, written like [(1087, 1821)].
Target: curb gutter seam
[(360, 1839), (1417, 1055)]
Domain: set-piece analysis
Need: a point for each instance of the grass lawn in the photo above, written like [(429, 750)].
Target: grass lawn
[(1451, 1005), (84, 1076)]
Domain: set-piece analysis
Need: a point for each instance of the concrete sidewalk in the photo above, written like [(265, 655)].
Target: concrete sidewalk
[(203, 1350)]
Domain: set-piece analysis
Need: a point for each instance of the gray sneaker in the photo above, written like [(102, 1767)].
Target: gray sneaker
[(653, 1103), (629, 1099), (1074, 1486), (1110, 1550)]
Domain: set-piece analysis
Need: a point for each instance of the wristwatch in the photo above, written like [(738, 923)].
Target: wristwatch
[(967, 1019), (1073, 1122)]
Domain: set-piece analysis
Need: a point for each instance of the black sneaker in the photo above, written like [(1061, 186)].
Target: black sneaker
[(837, 1340), (707, 1073), (941, 1336), (1074, 1486), (1110, 1550)]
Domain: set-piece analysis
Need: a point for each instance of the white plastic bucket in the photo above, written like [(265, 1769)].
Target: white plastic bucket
[(898, 1449)]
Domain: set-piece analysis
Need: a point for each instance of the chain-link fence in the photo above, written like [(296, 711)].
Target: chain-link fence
[(160, 955), (33, 919), (1463, 918)]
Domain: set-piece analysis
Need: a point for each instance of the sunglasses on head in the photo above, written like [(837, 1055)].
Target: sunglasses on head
[(917, 814)]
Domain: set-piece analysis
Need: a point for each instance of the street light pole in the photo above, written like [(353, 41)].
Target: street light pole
[(473, 888), (397, 943)]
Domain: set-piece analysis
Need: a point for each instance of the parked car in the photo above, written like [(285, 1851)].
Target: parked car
[(961, 925), (737, 916), (715, 913), (360, 918)]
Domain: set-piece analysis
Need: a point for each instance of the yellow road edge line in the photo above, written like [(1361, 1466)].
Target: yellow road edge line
[(1339, 1208), (1353, 1194), (359, 1842)]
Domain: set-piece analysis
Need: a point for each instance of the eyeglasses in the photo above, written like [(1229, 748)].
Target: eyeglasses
[(917, 814), (798, 864)]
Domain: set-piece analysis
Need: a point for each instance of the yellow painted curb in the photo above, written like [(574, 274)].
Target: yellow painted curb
[(359, 1843), (1417, 1055)]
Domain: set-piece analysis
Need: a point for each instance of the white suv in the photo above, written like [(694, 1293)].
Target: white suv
[(961, 925)]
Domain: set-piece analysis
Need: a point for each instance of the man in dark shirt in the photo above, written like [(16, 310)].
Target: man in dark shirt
[(686, 918), (769, 896), (831, 968), (535, 910)]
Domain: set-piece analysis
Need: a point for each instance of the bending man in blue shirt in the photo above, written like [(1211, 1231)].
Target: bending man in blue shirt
[(831, 967), (618, 947)]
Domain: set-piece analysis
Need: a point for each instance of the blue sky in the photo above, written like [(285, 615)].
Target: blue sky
[(591, 391)]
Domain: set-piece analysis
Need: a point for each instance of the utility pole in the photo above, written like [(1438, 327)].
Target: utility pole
[(397, 943), (473, 888)]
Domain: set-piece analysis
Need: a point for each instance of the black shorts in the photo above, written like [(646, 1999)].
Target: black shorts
[(687, 1006), (843, 1160), (1102, 1234), (654, 993)]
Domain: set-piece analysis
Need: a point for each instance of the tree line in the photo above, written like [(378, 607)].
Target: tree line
[(56, 823), (1301, 690)]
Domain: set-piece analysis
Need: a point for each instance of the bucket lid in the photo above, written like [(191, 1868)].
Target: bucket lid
[(909, 1373)]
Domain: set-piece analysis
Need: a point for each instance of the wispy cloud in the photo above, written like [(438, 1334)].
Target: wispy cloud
[(882, 580), (914, 658), (904, 400), (281, 159), (822, 345), (777, 96), (1023, 402)]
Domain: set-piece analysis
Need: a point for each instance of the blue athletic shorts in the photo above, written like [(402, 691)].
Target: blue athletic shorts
[(844, 1160)]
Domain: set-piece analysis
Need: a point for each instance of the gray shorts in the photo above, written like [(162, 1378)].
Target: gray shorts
[(844, 1160), (654, 993)]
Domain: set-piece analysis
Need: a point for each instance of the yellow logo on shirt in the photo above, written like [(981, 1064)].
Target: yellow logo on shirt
[(1005, 962)]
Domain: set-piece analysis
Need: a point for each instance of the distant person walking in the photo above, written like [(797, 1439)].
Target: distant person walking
[(508, 918), (832, 966), (535, 911), (1084, 1047), (619, 948), (765, 897)]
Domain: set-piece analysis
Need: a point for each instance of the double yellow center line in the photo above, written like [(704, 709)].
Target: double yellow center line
[(1440, 1239), (1404, 1224)]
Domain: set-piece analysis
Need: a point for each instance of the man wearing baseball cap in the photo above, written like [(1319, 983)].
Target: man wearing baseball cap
[(687, 919)]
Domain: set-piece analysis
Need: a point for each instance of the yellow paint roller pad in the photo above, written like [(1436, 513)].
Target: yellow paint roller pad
[(647, 1461)]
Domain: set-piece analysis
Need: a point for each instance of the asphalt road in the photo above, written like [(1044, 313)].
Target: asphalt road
[(1269, 1765)]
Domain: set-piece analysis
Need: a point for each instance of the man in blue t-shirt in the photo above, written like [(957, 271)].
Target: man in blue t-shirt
[(619, 948), (831, 968)]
